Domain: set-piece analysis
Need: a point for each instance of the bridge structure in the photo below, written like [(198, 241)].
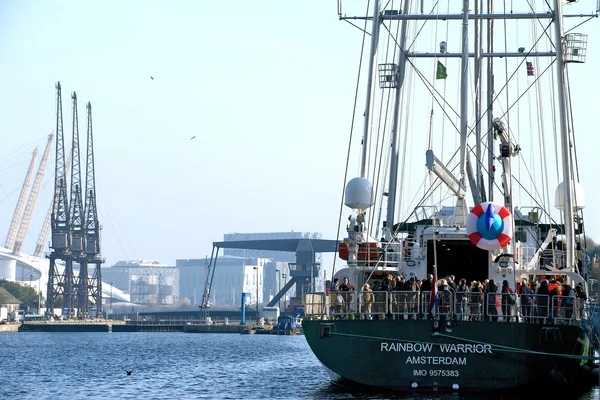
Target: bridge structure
[(305, 269)]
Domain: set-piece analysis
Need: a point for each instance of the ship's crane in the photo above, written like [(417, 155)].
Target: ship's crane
[(45, 231), (508, 149), (18, 214), (93, 286), (33, 197), (60, 284)]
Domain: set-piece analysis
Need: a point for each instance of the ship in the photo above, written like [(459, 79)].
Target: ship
[(454, 79)]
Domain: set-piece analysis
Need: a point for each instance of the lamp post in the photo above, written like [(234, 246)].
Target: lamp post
[(278, 287), (30, 278), (110, 300), (284, 283), (256, 268)]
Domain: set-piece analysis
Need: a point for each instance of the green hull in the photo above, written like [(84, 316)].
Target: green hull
[(466, 356)]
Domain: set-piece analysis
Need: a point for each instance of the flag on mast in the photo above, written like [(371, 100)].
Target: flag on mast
[(441, 71), (530, 68)]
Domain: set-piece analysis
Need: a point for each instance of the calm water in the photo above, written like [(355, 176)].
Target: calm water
[(171, 366)]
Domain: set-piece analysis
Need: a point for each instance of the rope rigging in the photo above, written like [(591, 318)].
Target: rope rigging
[(351, 130)]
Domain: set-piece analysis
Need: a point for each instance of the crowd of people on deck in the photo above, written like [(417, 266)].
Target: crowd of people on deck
[(540, 301)]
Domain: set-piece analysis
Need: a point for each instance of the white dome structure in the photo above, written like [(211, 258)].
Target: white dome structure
[(358, 194), (578, 197)]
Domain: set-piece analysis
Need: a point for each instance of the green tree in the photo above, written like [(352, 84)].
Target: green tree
[(27, 295)]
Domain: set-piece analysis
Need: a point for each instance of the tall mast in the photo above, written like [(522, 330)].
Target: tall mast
[(460, 212), (391, 206), (364, 167), (490, 100), (565, 140), (479, 187), (33, 196), (18, 214)]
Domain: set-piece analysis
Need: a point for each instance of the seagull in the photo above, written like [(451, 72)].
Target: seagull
[(193, 137), (152, 77), (129, 372)]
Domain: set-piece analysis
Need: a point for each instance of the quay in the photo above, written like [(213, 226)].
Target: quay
[(116, 326)]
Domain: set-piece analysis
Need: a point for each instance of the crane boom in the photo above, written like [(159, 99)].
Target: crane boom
[(18, 214), (33, 197), (76, 202), (45, 231)]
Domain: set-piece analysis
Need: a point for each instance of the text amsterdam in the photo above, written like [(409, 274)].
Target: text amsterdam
[(449, 359)]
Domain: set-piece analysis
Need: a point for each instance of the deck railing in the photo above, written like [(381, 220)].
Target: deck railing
[(460, 306)]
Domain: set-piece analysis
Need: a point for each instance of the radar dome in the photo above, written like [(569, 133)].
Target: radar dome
[(358, 194), (578, 197)]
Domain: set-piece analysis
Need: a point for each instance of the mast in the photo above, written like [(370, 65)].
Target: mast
[(460, 212), (565, 142), (364, 167), (479, 188), (33, 196), (400, 72), (18, 214), (490, 100)]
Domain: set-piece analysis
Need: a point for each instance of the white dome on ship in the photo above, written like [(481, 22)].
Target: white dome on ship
[(359, 194), (578, 197)]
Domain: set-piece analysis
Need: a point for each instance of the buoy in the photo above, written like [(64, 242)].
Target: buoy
[(489, 226)]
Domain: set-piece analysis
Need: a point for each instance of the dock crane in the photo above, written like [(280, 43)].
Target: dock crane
[(18, 214), (60, 284), (45, 231), (91, 226), (76, 220), (33, 197)]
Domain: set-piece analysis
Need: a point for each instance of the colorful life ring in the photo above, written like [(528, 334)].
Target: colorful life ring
[(489, 226)]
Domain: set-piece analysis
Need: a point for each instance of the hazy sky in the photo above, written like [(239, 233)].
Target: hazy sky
[(265, 86)]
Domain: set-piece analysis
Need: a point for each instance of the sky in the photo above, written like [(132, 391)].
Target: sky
[(266, 88)]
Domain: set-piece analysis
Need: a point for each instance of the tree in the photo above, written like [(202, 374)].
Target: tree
[(27, 295)]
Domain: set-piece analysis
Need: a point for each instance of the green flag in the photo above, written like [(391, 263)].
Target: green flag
[(441, 71)]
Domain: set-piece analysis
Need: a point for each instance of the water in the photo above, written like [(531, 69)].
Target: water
[(172, 366)]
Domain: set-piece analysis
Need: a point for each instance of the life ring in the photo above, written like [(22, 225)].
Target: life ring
[(489, 226)]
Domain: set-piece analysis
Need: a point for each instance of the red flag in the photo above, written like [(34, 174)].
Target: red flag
[(433, 297)]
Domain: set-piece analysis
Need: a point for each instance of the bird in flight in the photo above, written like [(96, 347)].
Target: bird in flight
[(129, 372), (193, 137), (152, 77)]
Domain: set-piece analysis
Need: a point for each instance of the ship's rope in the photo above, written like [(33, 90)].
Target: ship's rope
[(350, 136), (496, 347), (575, 164)]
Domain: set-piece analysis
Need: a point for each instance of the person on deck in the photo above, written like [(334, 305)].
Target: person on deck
[(491, 298), (525, 293)]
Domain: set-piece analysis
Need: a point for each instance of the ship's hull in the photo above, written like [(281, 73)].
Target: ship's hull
[(409, 355)]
